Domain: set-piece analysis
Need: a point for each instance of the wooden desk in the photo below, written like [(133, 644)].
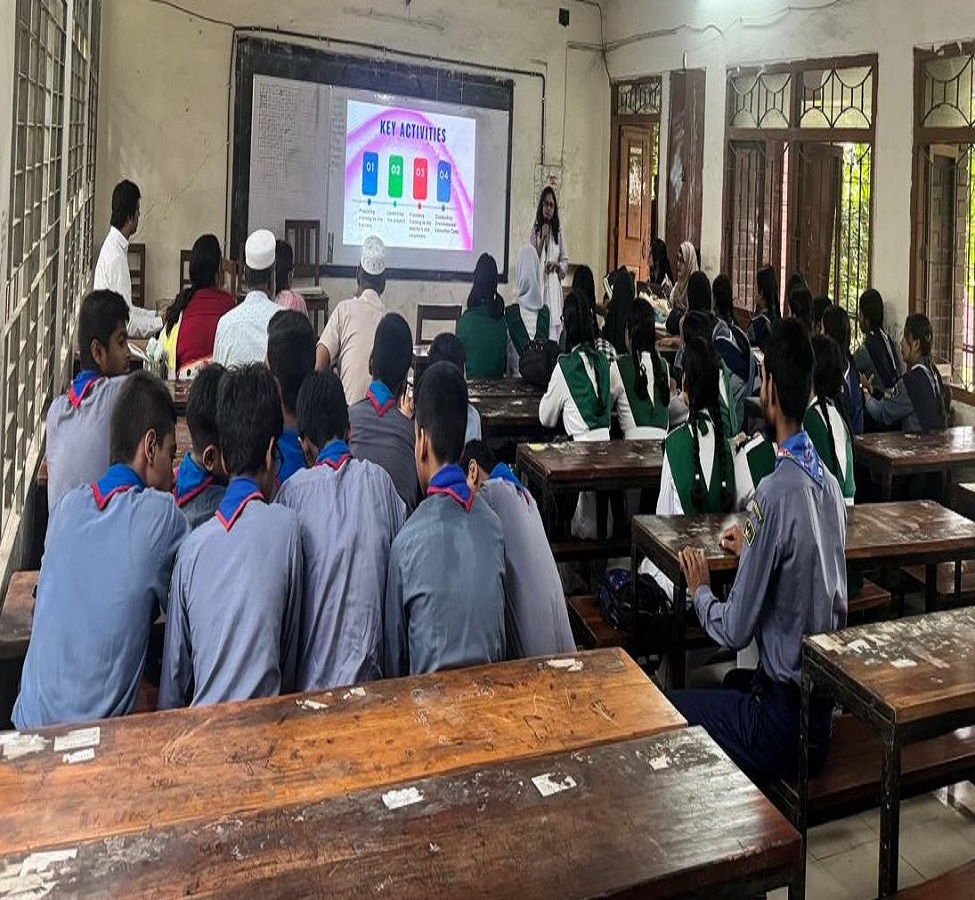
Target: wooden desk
[(508, 388), (317, 302), (511, 420), (591, 465), (155, 771), (896, 534), (909, 680), (892, 454), (662, 816)]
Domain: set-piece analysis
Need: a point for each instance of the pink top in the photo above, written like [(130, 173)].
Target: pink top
[(292, 300)]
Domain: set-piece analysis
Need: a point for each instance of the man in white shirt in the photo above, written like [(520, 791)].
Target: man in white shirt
[(346, 343), (242, 333), (112, 268)]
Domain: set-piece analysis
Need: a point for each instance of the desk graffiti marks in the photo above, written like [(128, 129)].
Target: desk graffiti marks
[(456, 838)]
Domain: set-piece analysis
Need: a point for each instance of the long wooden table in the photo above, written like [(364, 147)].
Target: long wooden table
[(909, 680), (893, 454), (508, 408), (661, 816), (591, 465), (896, 534)]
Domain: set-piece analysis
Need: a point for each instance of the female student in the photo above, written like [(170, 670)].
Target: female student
[(732, 346), (584, 283), (191, 321), (658, 264), (826, 420), (917, 400), (767, 306), (836, 324), (619, 309), (284, 270), (875, 357), (548, 240), (645, 377), (686, 266), (696, 324), (528, 317), (481, 329)]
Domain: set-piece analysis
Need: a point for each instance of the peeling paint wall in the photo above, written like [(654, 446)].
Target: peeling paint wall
[(165, 84)]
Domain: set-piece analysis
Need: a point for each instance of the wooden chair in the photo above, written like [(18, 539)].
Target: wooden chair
[(429, 312), (184, 268), (229, 277), (304, 235), (137, 273)]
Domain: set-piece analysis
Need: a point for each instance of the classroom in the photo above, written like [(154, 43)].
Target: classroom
[(454, 450)]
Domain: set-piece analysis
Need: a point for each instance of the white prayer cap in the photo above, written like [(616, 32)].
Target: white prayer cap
[(373, 259), (259, 250)]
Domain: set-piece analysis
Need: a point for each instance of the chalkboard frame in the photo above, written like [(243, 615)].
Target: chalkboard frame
[(281, 59)]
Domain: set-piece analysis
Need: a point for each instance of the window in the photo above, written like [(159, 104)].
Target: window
[(50, 232), (799, 154), (943, 239)]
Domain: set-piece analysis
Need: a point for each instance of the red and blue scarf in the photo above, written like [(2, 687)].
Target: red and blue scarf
[(117, 480), (240, 492), (191, 480), (81, 384), (800, 450), (381, 398), (452, 481), (334, 454)]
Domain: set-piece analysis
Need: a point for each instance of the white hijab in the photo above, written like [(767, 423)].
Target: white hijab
[(678, 296), (526, 277)]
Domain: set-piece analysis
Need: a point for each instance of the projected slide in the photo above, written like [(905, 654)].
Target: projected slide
[(409, 177)]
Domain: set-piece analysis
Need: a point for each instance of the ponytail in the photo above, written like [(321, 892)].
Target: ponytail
[(918, 327), (643, 339)]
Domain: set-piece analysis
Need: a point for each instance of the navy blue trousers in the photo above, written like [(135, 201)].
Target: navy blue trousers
[(756, 722)]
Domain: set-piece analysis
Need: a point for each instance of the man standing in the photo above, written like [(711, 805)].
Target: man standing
[(112, 268), (241, 336), (347, 341)]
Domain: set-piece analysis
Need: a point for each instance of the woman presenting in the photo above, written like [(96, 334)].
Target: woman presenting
[(548, 241)]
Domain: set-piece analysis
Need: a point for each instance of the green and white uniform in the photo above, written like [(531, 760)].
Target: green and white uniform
[(572, 395), (648, 419), (754, 460), (838, 458)]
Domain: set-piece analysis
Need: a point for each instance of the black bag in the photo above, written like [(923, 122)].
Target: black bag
[(538, 361), (673, 320), (614, 599)]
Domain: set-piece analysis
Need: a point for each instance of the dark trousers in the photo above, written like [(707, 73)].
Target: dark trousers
[(756, 722)]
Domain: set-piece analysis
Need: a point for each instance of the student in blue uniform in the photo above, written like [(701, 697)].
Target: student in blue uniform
[(108, 558), (917, 400), (444, 604), (78, 421), (202, 480), (349, 513), (731, 345), (232, 625), (876, 357), (536, 621), (791, 582), (836, 324), (801, 305), (819, 306), (448, 348), (767, 303), (291, 344), (697, 324)]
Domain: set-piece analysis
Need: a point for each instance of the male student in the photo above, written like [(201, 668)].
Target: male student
[(241, 335), (347, 340), (536, 622), (444, 604), (108, 557), (380, 432), (290, 357), (349, 513), (112, 269), (202, 480), (447, 347), (78, 421), (791, 582), (232, 625)]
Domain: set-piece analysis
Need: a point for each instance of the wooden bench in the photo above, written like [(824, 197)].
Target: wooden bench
[(870, 597), (579, 550), (956, 883), (589, 627), (945, 583)]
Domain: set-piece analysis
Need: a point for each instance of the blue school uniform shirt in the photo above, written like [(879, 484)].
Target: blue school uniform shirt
[(108, 558), (232, 625), (292, 456), (349, 513), (198, 494), (78, 433), (444, 603)]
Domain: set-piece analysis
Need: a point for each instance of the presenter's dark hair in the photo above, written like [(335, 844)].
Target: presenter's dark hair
[(540, 218), (248, 417), (143, 404), (125, 202), (441, 410)]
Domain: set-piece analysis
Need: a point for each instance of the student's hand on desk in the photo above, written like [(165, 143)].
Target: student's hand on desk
[(731, 540), (694, 565)]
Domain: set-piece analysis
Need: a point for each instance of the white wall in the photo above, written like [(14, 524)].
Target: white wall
[(165, 85), (651, 37)]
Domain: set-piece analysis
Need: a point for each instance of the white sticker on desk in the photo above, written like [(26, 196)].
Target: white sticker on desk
[(659, 762), (39, 862), (75, 740), (78, 756), (569, 665), (547, 784), (859, 646), (903, 663), (16, 744), (404, 797)]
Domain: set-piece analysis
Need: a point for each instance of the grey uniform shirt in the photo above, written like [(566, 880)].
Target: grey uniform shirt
[(444, 604), (349, 517), (78, 438), (536, 622), (232, 625), (791, 578), (386, 440)]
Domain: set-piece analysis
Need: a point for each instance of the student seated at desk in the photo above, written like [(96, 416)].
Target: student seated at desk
[(731, 345), (696, 324), (528, 317), (645, 376), (826, 420), (875, 358), (202, 480), (78, 421), (444, 603), (836, 324), (291, 358), (917, 401), (232, 623), (584, 283), (767, 306), (536, 620), (380, 432), (108, 557), (284, 272), (349, 513), (447, 348), (791, 582), (481, 329), (800, 304)]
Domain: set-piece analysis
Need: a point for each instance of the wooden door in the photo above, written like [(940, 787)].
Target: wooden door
[(636, 197), (817, 216)]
